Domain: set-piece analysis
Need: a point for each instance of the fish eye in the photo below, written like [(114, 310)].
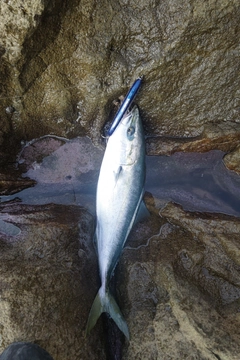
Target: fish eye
[(130, 131)]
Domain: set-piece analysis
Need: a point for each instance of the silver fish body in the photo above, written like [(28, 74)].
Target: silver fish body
[(119, 203)]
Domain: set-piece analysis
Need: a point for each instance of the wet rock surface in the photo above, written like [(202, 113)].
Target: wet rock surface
[(177, 283), (46, 272), (62, 65), (231, 160), (182, 289), (65, 172), (64, 83), (214, 137), (197, 181), (178, 278)]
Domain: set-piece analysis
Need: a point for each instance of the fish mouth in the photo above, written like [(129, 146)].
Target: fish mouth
[(133, 108), (131, 117)]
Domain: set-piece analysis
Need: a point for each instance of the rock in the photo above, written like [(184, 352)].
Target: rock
[(224, 137), (177, 283), (62, 65), (65, 82), (11, 184), (231, 160), (182, 294), (48, 277), (17, 22), (178, 278)]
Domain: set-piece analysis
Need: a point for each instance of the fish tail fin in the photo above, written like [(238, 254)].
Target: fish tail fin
[(114, 311), (95, 312), (105, 302)]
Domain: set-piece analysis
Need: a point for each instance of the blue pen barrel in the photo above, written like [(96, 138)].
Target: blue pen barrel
[(125, 104)]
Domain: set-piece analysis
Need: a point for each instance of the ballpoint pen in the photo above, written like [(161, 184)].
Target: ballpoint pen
[(125, 104)]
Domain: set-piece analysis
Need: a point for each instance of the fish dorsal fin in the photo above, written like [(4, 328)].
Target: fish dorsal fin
[(142, 213)]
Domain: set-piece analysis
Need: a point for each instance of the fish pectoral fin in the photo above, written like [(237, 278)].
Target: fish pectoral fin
[(117, 173), (106, 304), (142, 213)]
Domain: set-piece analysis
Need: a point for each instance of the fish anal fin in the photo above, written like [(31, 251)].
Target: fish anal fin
[(142, 213)]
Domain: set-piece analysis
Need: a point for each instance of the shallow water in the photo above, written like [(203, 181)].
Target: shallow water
[(66, 172), (197, 181)]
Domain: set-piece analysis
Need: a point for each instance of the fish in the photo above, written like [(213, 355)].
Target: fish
[(119, 205)]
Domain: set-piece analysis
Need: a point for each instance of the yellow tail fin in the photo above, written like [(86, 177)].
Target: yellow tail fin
[(106, 304)]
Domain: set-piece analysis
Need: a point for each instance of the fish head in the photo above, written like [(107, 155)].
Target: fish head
[(128, 138), (131, 123)]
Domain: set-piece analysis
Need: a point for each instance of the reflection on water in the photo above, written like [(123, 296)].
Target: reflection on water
[(197, 181), (8, 228), (68, 175), (66, 172)]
